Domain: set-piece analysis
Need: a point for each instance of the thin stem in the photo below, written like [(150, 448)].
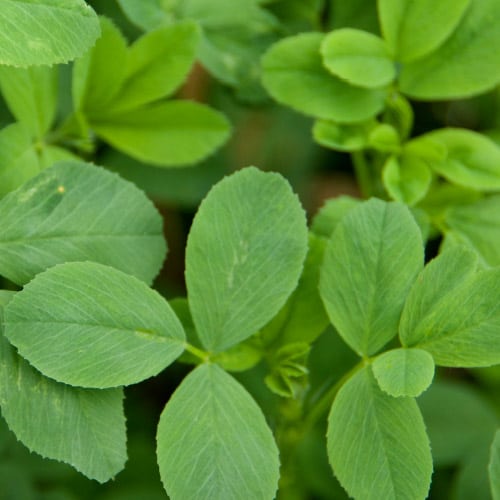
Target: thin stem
[(199, 353), (363, 173)]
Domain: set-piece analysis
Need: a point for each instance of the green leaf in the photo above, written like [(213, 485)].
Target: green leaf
[(370, 263), (377, 444), (294, 75), (358, 57), (453, 311), (342, 136), (472, 159), (404, 372), (157, 64), (90, 325), (466, 64), (331, 213), (99, 74), (384, 138), (147, 14), (407, 178), (34, 32), (18, 158), (236, 456), (89, 424), (494, 467), (457, 419), (165, 134), (31, 95), (76, 211), (244, 256), (477, 225), (413, 29)]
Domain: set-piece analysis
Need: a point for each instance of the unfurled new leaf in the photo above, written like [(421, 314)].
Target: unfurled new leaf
[(370, 264), (165, 134), (377, 444), (466, 64), (90, 325), (76, 211), (358, 57), (404, 372), (341, 136), (89, 424), (453, 311), (235, 453), (38, 32), (244, 256), (293, 73), (413, 29)]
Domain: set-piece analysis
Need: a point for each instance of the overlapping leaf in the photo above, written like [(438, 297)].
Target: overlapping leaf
[(90, 325), (37, 32), (89, 424), (75, 211)]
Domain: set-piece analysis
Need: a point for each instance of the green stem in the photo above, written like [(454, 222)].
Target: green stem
[(363, 173), (321, 407), (199, 353)]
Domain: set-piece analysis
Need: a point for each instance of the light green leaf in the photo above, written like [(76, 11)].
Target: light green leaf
[(358, 57), (453, 311), (377, 444), (99, 74), (244, 256), (494, 467), (294, 75), (472, 159), (18, 158), (477, 225), (466, 64), (31, 95), (370, 263), (404, 372), (146, 14), (236, 456), (342, 136), (331, 213), (457, 420), (34, 32), (76, 211), (406, 178), (49, 155), (384, 138), (157, 64), (89, 424), (165, 134), (413, 29), (91, 325)]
